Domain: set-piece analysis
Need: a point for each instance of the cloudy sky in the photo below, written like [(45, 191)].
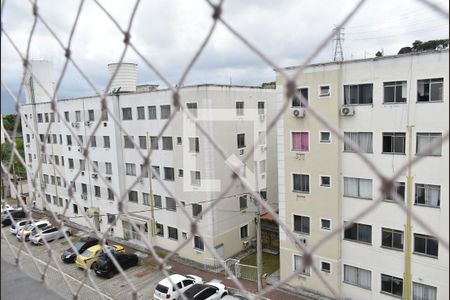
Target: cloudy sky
[(168, 33)]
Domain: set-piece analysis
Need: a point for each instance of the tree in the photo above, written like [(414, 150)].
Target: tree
[(9, 121), (6, 149)]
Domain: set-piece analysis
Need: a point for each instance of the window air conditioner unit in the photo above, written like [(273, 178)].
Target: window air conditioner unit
[(82, 173), (108, 178), (83, 196), (68, 148), (245, 243), (75, 124), (88, 123), (241, 151), (298, 112), (347, 111), (262, 117), (263, 148), (303, 241), (28, 146), (94, 175)]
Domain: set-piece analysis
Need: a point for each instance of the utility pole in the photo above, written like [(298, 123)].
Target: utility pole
[(338, 39), (258, 247), (407, 276)]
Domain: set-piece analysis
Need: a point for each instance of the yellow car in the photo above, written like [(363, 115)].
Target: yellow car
[(90, 255)]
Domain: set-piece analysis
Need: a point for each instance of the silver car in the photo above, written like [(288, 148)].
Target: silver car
[(49, 234), (14, 229)]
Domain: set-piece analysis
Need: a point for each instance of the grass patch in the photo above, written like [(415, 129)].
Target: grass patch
[(161, 254), (271, 262)]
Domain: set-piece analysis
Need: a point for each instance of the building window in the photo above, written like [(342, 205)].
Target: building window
[(158, 201), (194, 144), (155, 170), (394, 142), (244, 232), (198, 243), (83, 188), (110, 194), (80, 138), (133, 196), (165, 111), (160, 229), (399, 190), (359, 232), (300, 183), (192, 107), (324, 90), (104, 115), (325, 267), (128, 141), (71, 164), (91, 116), (239, 108), (428, 195), (357, 276), (127, 113), (426, 244), (66, 116), (358, 94), (301, 224), (144, 171), (261, 110), (391, 285), (299, 265), (97, 191), (358, 187), (143, 142), (108, 168), (130, 169), (424, 292), (325, 224), (361, 139), (140, 113), (180, 173), (78, 116), (195, 178), (154, 143), (167, 143), (82, 165), (395, 92), (46, 117), (325, 137), (429, 90), (262, 166), (300, 92), (106, 143), (424, 140), (173, 233), (300, 141), (152, 112), (146, 199), (325, 181), (196, 209), (169, 174), (39, 116), (241, 140), (171, 204), (391, 238), (75, 209), (179, 140), (110, 218), (243, 202)]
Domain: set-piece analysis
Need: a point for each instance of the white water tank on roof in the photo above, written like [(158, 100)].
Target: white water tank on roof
[(125, 78), (39, 81)]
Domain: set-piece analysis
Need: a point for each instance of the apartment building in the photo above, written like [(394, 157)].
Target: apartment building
[(323, 183), (189, 167)]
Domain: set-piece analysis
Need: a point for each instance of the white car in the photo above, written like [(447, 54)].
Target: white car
[(25, 233), (166, 290), (213, 290), (19, 225), (49, 234)]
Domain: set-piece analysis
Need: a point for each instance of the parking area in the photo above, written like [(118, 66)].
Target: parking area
[(144, 276)]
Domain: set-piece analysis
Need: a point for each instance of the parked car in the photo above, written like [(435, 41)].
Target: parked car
[(212, 290), (16, 214), (70, 255), (90, 255), (165, 289), (19, 225), (49, 234), (105, 267), (24, 233)]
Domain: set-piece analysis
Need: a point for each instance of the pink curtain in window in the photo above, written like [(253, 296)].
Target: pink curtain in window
[(300, 141)]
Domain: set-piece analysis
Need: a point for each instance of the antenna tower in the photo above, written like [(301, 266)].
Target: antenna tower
[(338, 39)]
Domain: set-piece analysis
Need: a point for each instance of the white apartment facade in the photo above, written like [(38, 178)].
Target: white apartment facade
[(189, 167), (323, 183)]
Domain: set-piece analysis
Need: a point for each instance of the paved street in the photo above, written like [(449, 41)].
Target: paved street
[(70, 278)]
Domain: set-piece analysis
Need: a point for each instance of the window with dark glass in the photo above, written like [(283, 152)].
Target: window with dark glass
[(394, 142), (359, 232), (358, 94), (391, 238)]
